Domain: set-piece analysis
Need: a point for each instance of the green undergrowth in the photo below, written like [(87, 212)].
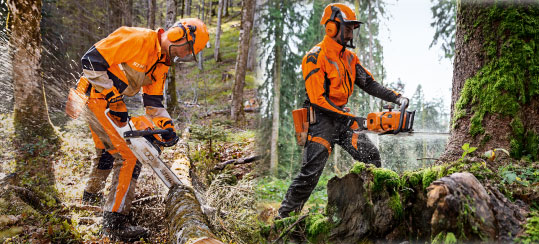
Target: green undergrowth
[(273, 190), (531, 229), (508, 80)]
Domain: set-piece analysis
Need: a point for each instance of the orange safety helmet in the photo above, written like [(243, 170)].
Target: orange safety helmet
[(334, 15), (194, 30)]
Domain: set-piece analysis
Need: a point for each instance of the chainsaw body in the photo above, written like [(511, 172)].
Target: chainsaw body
[(391, 122), (144, 144)]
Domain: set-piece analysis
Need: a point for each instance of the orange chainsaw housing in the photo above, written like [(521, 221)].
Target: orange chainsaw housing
[(384, 121)]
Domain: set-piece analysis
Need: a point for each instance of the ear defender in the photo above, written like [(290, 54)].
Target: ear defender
[(178, 32), (332, 28)]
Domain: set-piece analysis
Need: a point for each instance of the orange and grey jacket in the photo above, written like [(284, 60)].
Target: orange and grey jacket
[(330, 72), (127, 60)]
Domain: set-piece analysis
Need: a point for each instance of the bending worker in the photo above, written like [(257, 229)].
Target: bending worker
[(330, 72), (120, 65)]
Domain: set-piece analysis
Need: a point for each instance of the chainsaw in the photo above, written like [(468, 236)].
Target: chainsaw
[(383, 123), (390, 122), (146, 146)]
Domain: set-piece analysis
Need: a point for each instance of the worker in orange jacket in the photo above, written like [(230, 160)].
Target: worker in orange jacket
[(120, 65), (330, 72)]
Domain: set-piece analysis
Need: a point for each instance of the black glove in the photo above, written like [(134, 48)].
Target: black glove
[(170, 135)]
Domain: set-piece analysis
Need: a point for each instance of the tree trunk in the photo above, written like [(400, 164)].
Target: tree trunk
[(225, 6), (182, 8), (188, 6), (277, 67), (241, 60), (185, 221), (31, 116), (216, 54), (172, 103), (152, 8), (253, 50), (128, 13), (371, 49), (116, 15), (209, 12), (495, 101)]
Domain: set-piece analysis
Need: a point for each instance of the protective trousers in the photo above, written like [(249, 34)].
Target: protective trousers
[(112, 154), (322, 137)]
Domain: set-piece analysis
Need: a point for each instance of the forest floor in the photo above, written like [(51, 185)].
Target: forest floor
[(212, 138)]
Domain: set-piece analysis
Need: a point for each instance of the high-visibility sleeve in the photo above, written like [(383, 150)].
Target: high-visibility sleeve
[(152, 97), (317, 86), (366, 82)]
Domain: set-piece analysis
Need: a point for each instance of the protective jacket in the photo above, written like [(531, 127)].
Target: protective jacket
[(330, 72), (124, 62)]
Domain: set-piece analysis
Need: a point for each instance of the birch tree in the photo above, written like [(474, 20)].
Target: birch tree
[(216, 54)]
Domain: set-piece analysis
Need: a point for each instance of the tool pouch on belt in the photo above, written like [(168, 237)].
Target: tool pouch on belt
[(301, 125), (77, 98)]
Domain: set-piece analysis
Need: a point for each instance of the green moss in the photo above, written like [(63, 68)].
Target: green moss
[(358, 168), (445, 238), (317, 227), (506, 81), (385, 178), (431, 174), (396, 205)]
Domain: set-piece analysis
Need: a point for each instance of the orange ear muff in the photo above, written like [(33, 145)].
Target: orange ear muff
[(176, 34), (332, 28)]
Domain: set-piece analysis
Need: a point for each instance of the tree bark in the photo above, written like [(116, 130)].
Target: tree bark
[(172, 103), (494, 101), (31, 116), (152, 8), (253, 50), (241, 60), (371, 204), (225, 6), (216, 54), (128, 13), (275, 124), (185, 220), (188, 6)]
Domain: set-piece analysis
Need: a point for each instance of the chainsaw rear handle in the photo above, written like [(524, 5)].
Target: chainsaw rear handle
[(141, 133), (403, 108)]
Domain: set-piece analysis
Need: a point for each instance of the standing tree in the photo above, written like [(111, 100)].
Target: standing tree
[(495, 96), (241, 60), (277, 71), (172, 103), (152, 8), (443, 13), (216, 54), (31, 116)]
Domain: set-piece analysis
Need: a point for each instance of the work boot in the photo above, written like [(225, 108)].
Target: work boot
[(95, 199), (115, 227)]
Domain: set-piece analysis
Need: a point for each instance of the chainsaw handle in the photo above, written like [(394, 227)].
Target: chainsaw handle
[(141, 133), (403, 108)]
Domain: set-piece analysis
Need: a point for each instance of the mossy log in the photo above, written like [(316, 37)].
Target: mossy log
[(186, 222), (432, 204)]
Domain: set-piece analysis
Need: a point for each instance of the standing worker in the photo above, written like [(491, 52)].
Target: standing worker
[(120, 65), (330, 72)]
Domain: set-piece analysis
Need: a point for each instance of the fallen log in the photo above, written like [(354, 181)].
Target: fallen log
[(246, 160), (186, 222), (377, 204)]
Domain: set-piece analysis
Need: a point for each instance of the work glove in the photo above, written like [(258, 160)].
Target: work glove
[(166, 124), (117, 110), (402, 100)]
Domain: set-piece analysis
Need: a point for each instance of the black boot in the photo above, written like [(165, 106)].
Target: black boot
[(95, 199), (115, 227)]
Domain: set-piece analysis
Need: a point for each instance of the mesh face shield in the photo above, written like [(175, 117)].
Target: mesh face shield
[(187, 58)]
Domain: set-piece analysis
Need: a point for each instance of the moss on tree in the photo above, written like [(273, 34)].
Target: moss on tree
[(509, 78)]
